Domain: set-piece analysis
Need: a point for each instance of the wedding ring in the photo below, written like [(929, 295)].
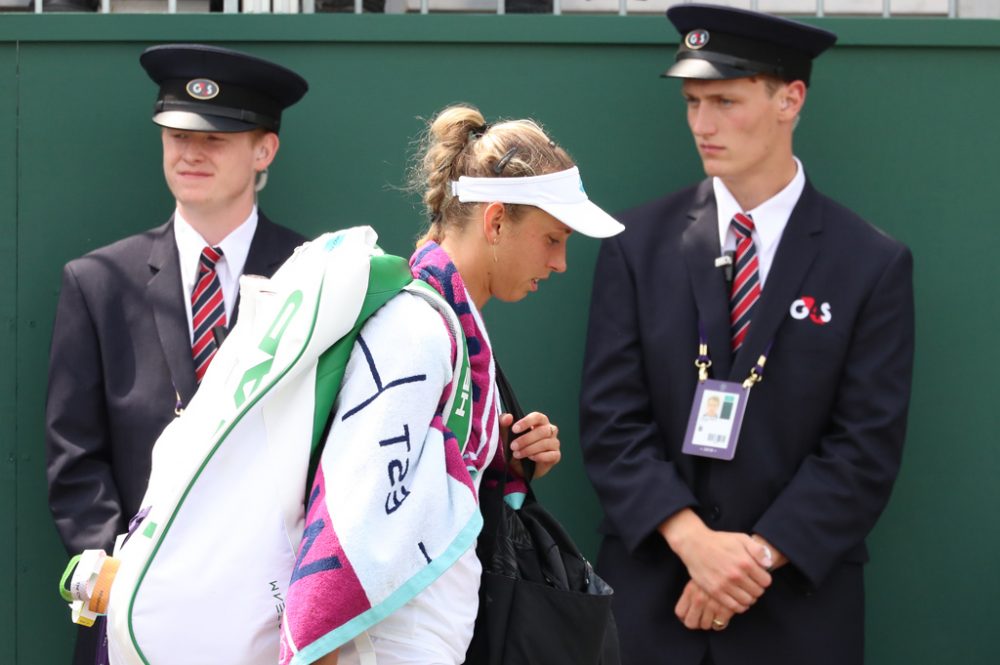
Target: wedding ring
[(718, 625)]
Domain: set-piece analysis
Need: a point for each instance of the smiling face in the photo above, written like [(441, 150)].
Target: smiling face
[(527, 251), (211, 172), (741, 127)]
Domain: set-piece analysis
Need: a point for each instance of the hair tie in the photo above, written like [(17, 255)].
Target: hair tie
[(503, 161)]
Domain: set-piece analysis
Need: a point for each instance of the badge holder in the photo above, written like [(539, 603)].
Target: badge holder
[(718, 408)]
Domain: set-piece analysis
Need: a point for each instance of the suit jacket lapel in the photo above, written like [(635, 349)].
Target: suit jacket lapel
[(700, 247), (166, 298), (263, 258), (798, 247)]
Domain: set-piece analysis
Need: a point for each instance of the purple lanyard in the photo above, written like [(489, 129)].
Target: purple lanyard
[(704, 361)]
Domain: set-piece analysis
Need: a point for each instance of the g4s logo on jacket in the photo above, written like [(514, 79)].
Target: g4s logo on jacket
[(820, 314)]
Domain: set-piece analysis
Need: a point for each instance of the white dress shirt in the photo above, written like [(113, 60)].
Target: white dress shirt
[(235, 248), (769, 218)]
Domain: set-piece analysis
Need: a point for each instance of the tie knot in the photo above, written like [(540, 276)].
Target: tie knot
[(742, 225), (210, 256)]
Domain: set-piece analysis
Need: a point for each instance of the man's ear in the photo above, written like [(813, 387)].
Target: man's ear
[(792, 98), (265, 149)]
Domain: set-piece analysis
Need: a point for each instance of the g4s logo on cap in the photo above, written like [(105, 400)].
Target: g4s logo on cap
[(696, 39), (820, 314), (203, 89)]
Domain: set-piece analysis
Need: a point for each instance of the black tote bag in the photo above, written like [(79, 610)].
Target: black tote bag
[(540, 602)]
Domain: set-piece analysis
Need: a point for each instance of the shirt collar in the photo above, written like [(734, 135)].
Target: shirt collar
[(769, 218), (235, 246)]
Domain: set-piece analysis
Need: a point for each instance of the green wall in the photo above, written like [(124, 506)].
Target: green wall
[(900, 125), (8, 347)]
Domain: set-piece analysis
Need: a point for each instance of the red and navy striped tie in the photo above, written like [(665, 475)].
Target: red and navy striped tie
[(746, 283), (208, 310)]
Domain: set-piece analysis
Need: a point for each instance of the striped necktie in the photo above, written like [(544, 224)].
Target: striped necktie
[(746, 283), (208, 310)]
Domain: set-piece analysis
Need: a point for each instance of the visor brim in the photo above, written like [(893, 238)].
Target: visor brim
[(197, 122), (584, 217), (700, 68)]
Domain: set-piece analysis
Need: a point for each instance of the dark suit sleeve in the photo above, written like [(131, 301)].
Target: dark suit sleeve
[(837, 494), (622, 445), (83, 495)]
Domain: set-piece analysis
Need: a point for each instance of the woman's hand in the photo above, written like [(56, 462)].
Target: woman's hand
[(539, 442)]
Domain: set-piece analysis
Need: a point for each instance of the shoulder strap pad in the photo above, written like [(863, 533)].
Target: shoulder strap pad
[(457, 410)]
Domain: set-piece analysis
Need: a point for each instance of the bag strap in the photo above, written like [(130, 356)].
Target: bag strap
[(513, 407), (492, 497), (458, 408)]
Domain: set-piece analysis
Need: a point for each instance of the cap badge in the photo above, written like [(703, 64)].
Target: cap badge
[(696, 39), (203, 89)]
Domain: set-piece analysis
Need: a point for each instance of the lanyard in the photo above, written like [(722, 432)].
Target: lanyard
[(704, 361)]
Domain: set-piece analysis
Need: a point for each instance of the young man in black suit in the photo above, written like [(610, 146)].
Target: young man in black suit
[(138, 321), (747, 548)]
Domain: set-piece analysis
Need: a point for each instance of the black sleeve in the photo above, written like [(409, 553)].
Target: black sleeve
[(83, 496), (834, 499)]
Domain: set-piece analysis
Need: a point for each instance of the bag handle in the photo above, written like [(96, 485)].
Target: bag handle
[(512, 406)]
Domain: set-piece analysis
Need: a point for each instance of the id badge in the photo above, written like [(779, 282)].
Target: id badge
[(716, 417)]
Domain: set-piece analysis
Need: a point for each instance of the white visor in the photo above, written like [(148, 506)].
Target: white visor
[(560, 194)]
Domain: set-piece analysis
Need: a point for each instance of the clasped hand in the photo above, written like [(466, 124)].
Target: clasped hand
[(726, 579), (729, 571)]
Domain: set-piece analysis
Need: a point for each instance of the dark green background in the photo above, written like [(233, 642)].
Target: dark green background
[(901, 125)]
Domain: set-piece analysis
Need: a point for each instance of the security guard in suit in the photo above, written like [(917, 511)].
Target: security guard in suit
[(749, 551), (139, 320)]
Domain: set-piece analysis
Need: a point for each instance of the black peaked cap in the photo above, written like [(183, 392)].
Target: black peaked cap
[(212, 89), (727, 43)]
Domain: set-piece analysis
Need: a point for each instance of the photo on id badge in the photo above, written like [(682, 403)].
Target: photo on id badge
[(715, 422), (716, 416)]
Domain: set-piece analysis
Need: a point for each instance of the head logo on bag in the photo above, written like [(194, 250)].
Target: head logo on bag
[(268, 345)]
